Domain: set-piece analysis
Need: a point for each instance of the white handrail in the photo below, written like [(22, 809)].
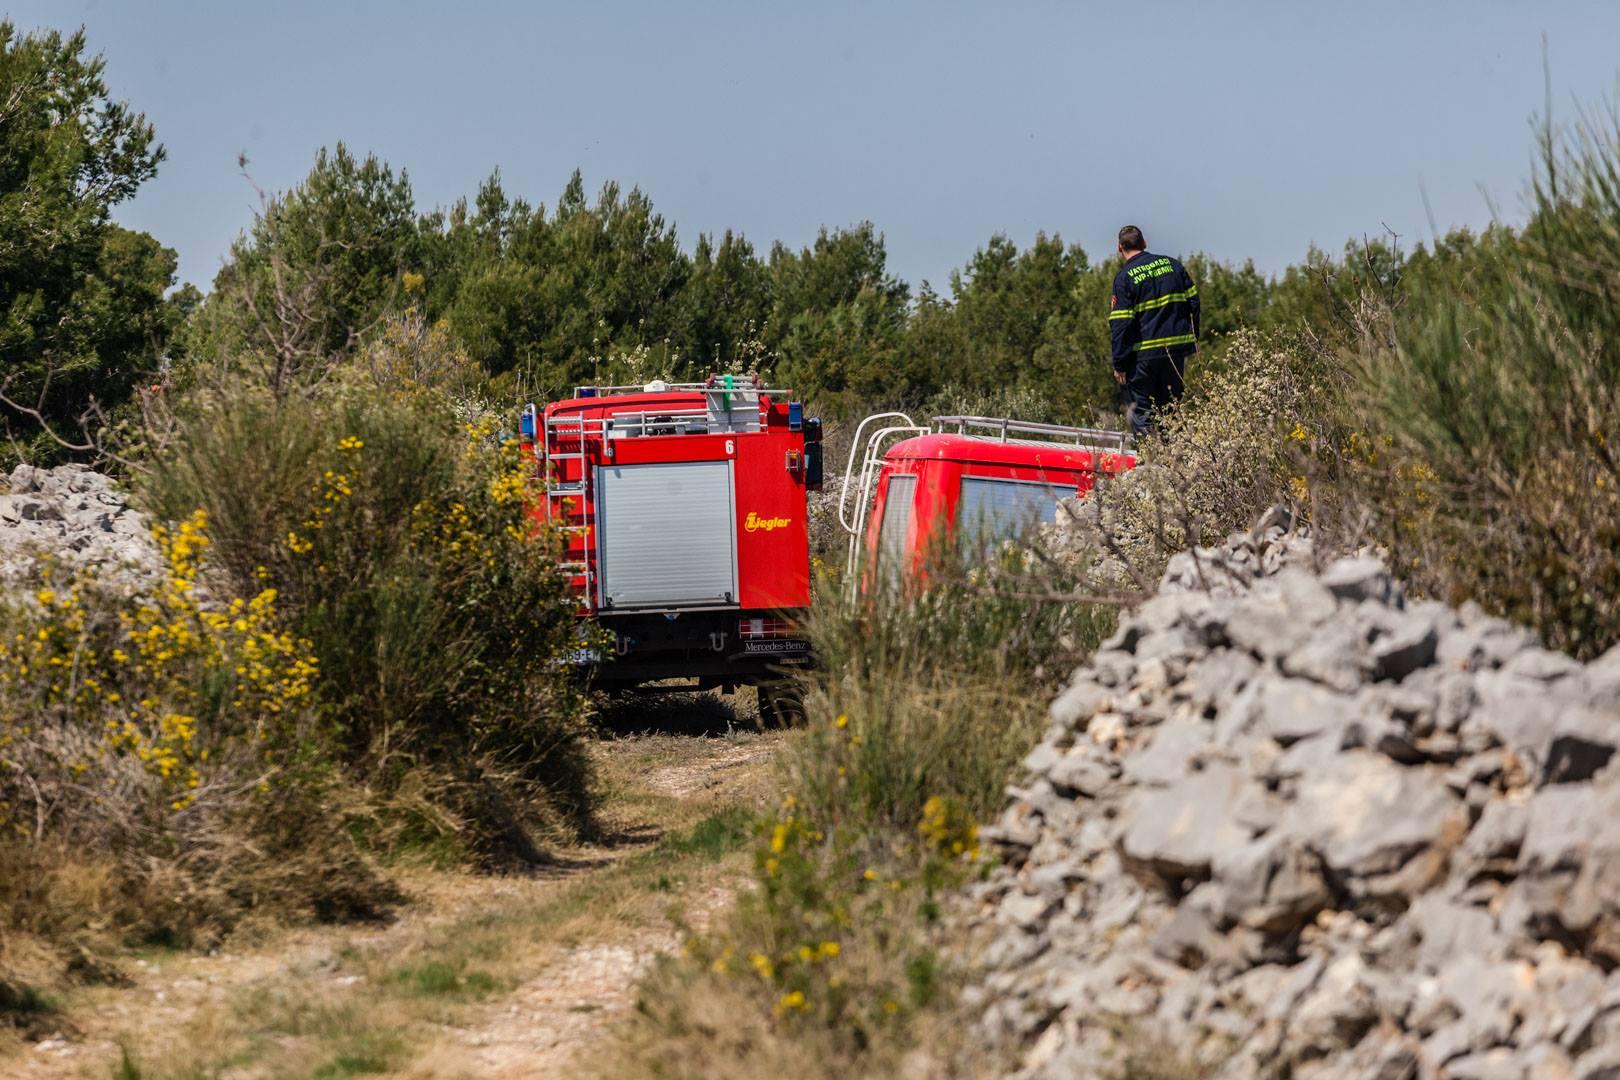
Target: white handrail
[(871, 466), (855, 454)]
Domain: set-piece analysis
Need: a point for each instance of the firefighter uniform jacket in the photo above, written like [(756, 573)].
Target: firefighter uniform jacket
[(1154, 307)]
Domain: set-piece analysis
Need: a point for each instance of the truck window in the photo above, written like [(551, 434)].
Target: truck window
[(990, 511), (896, 523)]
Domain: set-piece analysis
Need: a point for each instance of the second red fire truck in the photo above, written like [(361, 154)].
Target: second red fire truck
[(967, 482)]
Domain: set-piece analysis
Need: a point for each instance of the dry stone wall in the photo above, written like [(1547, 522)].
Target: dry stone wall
[(1288, 823)]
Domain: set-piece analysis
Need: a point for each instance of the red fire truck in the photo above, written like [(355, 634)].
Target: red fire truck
[(682, 511), (973, 480)]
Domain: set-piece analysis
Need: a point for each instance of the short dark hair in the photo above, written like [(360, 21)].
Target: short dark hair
[(1130, 238)]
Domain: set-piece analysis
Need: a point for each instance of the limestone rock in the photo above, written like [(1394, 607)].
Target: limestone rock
[(1178, 831), (1288, 823), (77, 522)]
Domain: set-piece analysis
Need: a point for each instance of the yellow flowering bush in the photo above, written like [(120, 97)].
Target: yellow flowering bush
[(398, 534), (164, 679), (164, 751), (948, 829)]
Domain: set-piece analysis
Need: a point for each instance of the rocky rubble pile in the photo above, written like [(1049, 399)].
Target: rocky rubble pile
[(78, 520), (1287, 823)]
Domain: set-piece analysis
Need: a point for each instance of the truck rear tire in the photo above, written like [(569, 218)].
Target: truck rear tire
[(781, 705)]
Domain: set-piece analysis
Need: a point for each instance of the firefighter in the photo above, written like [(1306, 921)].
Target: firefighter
[(1153, 315)]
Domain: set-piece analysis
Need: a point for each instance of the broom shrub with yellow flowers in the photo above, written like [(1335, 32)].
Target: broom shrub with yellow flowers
[(162, 761), (392, 521), (164, 672), (355, 653)]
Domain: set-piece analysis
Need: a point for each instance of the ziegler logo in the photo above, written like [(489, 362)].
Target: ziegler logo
[(755, 523)]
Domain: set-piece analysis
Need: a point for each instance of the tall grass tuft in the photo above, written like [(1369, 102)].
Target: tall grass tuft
[(935, 693), (1502, 404), (923, 705)]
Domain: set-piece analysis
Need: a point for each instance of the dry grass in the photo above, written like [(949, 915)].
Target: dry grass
[(481, 975)]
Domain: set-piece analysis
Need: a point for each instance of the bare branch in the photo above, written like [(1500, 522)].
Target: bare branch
[(44, 424)]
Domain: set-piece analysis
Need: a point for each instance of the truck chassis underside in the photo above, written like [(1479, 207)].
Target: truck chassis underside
[(703, 645)]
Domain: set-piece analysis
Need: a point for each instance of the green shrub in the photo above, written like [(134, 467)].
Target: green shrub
[(393, 524), (1501, 404)]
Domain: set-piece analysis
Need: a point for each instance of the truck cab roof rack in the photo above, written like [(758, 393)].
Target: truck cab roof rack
[(1004, 430), (739, 384)]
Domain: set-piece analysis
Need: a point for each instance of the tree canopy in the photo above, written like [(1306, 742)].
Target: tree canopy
[(82, 309), (543, 298), (602, 288)]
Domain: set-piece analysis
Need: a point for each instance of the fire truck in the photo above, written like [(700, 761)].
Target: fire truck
[(969, 481), (681, 509)]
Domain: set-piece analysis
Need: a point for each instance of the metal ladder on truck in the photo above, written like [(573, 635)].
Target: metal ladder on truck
[(855, 496), (565, 443)]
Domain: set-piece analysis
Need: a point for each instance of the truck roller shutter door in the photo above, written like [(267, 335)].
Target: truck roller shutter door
[(667, 534)]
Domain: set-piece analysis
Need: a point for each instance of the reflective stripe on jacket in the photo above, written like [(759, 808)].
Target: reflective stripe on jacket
[(1154, 306)]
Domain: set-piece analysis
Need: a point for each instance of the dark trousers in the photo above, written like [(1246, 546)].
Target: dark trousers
[(1155, 382)]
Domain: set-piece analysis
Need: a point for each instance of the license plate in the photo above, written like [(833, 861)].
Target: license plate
[(776, 646), (581, 656)]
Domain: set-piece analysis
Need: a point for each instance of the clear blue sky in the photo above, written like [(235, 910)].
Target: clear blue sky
[(1240, 129)]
